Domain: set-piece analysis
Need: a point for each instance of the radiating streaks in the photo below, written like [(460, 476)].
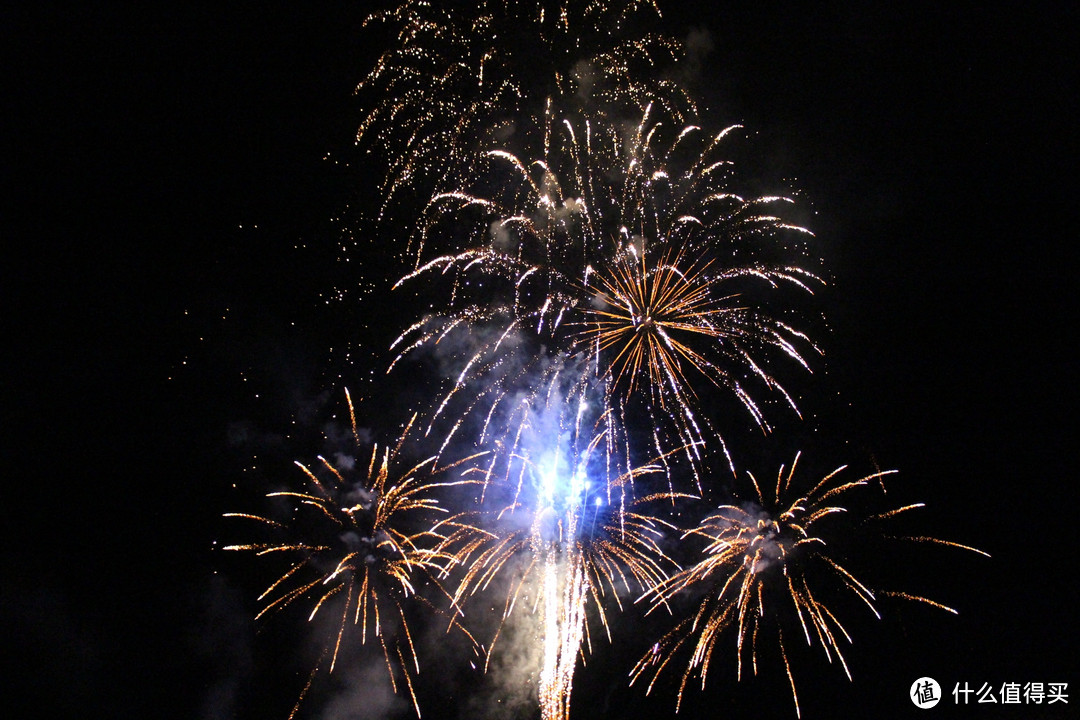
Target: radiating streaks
[(774, 559), (374, 541)]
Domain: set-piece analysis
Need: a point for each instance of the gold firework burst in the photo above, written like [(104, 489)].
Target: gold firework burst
[(367, 543), (659, 319), (765, 560)]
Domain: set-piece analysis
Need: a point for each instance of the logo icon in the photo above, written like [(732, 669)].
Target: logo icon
[(925, 693)]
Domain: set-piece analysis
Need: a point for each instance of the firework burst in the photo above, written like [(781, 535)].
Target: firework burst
[(367, 543), (628, 255), (766, 560)]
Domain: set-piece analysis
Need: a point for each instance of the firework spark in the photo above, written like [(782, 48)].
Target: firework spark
[(764, 559), (627, 255), (569, 530), (491, 66), (370, 541)]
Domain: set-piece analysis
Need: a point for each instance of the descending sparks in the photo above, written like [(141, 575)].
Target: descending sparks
[(769, 559), (628, 258), (465, 73)]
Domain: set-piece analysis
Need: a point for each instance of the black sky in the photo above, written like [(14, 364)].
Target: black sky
[(166, 161)]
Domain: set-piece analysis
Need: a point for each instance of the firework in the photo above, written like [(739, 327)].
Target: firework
[(590, 285), (767, 559), (492, 66), (628, 255), (367, 542), (566, 526)]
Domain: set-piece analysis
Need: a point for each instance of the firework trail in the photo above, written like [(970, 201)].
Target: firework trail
[(624, 252), (763, 560), (567, 526), (492, 66), (371, 541)]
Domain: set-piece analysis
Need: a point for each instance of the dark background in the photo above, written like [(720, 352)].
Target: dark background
[(168, 231)]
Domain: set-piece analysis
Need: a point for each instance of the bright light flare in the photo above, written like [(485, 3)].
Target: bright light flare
[(563, 523)]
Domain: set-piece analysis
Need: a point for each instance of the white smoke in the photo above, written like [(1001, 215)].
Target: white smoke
[(364, 692), (509, 688)]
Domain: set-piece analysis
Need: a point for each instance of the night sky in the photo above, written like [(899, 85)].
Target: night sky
[(169, 236)]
